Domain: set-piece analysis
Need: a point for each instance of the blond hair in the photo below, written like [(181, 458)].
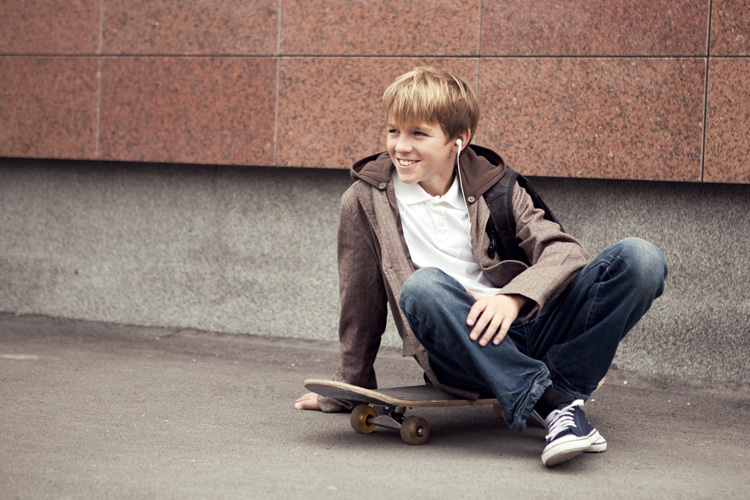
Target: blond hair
[(433, 96)]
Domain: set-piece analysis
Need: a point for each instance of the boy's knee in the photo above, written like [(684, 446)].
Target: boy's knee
[(425, 276), (430, 288), (645, 261), (419, 287)]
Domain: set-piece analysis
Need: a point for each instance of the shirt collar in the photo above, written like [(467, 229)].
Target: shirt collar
[(413, 194)]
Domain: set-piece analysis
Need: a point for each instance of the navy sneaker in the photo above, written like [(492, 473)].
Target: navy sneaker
[(600, 446), (570, 434)]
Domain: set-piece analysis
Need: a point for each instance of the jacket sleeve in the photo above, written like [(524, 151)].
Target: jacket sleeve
[(556, 257), (363, 301)]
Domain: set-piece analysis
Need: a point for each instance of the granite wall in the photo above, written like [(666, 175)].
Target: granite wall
[(627, 89)]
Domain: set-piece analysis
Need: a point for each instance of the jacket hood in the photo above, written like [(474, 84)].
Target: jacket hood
[(481, 168)]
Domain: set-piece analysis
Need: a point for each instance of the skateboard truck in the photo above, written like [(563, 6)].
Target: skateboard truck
[(413, 430)]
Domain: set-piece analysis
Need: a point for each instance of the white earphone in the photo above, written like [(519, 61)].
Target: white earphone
[(459, 142)]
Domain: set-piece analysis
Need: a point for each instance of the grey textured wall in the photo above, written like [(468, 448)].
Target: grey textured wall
[(252, 250)]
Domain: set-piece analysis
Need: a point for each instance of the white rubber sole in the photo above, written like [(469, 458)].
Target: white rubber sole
[(599, 445), (568, 447)]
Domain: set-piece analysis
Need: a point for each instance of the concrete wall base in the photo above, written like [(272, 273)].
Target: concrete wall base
[(253, 250)]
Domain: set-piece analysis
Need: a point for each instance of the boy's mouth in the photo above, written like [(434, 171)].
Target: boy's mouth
[(406, 163)]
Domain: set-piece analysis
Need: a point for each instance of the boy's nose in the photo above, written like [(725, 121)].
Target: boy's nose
[(403, 144)]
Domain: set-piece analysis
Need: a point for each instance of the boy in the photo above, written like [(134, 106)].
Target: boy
[(412, 235)]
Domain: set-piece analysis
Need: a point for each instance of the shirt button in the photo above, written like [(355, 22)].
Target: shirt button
[(441, 222)]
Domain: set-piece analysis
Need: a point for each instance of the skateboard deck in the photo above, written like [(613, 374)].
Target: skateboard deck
[(387, 407)]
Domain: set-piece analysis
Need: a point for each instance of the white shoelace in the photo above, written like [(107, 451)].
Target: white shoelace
[(560, 420)]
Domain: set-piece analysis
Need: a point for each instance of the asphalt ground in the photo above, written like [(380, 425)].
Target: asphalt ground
[(96, 410)]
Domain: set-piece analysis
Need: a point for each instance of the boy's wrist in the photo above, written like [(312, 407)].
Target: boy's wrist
[(522, 302)]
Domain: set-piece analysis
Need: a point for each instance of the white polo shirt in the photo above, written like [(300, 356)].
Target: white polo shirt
[(436, 230)]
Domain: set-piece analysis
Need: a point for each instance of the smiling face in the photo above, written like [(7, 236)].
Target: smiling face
[(422, 153), (427, 110)]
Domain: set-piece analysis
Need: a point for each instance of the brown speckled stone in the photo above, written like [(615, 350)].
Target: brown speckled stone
[(383, 27), (198, 27), (49, 27), (598, 118), (188, 109), (330, 111), (609, 28), (730, 27), (727, 156), (48, 107)]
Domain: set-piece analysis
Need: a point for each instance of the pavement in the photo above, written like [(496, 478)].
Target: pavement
[(97, 410)]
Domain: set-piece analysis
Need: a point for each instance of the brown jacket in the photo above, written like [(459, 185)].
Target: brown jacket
[(374, 262)]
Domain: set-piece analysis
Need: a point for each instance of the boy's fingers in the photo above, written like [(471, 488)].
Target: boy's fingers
[(478, 328), (485, 321), (474, 313), (490, 324), (502, 333), (491, 330)]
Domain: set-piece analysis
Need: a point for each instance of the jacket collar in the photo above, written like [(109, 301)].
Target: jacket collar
[(481, 168)]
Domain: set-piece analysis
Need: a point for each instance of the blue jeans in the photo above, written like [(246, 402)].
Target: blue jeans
[(570, 345)]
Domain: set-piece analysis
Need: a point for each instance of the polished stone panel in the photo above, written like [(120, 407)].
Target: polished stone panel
[(49, 27), (330, 111), (730, 28), (727, 156), (205, 27), (191, 109), (597, 118), (383, 28), (48, 107), (576, 28)]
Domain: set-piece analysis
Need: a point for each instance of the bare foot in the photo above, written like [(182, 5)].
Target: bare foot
[(308, 402)]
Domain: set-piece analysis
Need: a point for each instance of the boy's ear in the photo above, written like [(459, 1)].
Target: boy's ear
[(465, 138)]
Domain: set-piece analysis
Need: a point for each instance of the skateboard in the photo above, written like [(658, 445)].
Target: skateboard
[(387, 407)]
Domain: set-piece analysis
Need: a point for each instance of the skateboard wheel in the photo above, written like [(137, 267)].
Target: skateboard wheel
[(360, 419), (415, 430)]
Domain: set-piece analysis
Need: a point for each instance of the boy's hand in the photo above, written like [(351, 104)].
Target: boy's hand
[(493, 315), (308, 402)]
